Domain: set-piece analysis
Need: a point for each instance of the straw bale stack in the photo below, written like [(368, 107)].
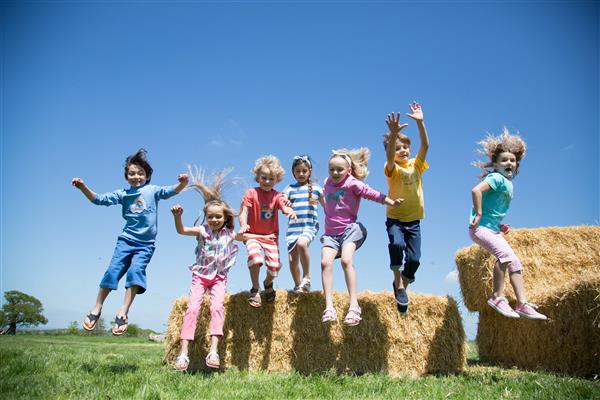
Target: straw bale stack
[(562, 275), (550, 256), (289, 335)]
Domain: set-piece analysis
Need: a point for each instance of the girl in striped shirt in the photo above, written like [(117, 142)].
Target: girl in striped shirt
[(304, 195)]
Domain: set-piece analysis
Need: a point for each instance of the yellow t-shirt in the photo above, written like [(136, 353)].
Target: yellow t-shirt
[(405, 182)]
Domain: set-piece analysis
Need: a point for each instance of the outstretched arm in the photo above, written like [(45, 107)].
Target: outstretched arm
[(242, 237), (393, 203), (243, 219), (177, 211), (87, 192), (183, 180), (416, 113), (289, 212), (477, 196), (393, 123)]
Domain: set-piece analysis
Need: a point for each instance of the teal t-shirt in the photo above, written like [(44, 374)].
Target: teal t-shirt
[(495, 202)]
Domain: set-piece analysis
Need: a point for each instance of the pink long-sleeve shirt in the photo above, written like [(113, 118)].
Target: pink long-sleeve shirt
[(342, 201)]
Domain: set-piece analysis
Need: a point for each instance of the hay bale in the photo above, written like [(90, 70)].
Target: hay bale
[(289, 335), (568, 343), (549, 256)]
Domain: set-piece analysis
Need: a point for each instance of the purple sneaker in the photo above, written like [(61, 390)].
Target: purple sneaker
[(528, 310), (501, 305)]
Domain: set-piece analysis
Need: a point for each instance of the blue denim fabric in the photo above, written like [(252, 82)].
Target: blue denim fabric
[(405, 245), (129, 257)]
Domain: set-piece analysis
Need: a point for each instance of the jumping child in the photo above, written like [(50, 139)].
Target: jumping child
[(491, 200), (135, 245), (258, 215), (343, 234), (304, 195)]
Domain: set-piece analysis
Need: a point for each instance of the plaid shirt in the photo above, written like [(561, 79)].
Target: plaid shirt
[(215, 253)]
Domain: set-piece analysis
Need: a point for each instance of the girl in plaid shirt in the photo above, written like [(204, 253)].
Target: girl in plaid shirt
[(215, 255)]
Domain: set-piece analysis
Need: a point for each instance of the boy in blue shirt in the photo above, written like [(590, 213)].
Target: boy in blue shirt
[(135, 245)]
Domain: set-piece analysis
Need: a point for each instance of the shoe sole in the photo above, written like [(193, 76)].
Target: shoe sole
[(531, 318)]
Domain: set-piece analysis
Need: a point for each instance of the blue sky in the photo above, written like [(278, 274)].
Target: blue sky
[(220, 84)]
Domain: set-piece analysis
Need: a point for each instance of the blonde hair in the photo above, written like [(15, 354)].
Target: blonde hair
[(359, 160), (271, 163), (492, 146), (212, 193)]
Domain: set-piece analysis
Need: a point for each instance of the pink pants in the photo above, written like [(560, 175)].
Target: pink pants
[(495, 243), (200, 284)]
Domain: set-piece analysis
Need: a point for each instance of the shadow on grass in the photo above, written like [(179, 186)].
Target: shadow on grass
[(111, 368)]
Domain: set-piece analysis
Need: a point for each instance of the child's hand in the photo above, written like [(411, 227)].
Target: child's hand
[(78, 183), (270, 236), (475, 222), (286, 201), (505, 228), (177, 210), (393, 123), (396, 202), (416, 111), (292, 215), (244, 228), (183, 178)]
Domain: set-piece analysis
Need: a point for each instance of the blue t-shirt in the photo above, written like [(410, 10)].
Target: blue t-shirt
[(139, 209), (495, 202)]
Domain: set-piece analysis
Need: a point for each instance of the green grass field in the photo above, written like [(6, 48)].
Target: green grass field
[(51, 367)]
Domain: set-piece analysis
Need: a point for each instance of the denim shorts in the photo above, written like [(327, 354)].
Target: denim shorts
[(355, 232), (131, 258)]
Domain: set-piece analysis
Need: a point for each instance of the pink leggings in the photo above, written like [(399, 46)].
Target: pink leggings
[(495, 243), (217, 298)]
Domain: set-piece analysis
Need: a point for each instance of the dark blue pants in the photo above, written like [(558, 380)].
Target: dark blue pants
[(405, 240)]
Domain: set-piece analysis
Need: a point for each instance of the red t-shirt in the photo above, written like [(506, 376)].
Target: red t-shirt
[(262, 210)]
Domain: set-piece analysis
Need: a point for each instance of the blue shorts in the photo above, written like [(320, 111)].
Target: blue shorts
[(130, 257)]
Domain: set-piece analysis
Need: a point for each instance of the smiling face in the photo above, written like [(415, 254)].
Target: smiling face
[(136, 176), (266, 180), (402, 152), (301, 173), (506, 164), (338, 169), (215, 217)]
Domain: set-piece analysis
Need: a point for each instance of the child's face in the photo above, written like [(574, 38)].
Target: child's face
[(506, 164), (301, 173), (402, 152), (136, 176), (266, 180), (215, 217), (338, 169)]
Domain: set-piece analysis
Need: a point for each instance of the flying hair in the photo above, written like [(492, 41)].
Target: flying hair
[(211, 191), (492, 146), (359, 160)]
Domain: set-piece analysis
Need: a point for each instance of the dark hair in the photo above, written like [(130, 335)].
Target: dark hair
[(139, 159), (304, 159)]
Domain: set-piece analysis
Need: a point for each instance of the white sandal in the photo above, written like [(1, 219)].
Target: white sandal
[(182, 362), (210, 356)]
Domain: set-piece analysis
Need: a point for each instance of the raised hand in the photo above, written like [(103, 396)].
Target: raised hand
[(416, 112), (183, 178), (177, 210), (78, 183), (393, 123)]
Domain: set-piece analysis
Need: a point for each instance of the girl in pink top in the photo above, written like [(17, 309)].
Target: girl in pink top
[(215, 255), (343, 235)]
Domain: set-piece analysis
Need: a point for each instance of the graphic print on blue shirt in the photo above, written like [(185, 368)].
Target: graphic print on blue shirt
[(265, 212), (138, 205)]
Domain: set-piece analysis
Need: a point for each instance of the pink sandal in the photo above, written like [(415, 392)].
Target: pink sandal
[(353, 317), (329, 315)]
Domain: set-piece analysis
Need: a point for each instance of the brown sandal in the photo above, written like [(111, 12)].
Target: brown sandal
[(254, 299)]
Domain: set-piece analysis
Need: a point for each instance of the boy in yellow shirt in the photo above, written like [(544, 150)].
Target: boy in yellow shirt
[(404, 180)]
